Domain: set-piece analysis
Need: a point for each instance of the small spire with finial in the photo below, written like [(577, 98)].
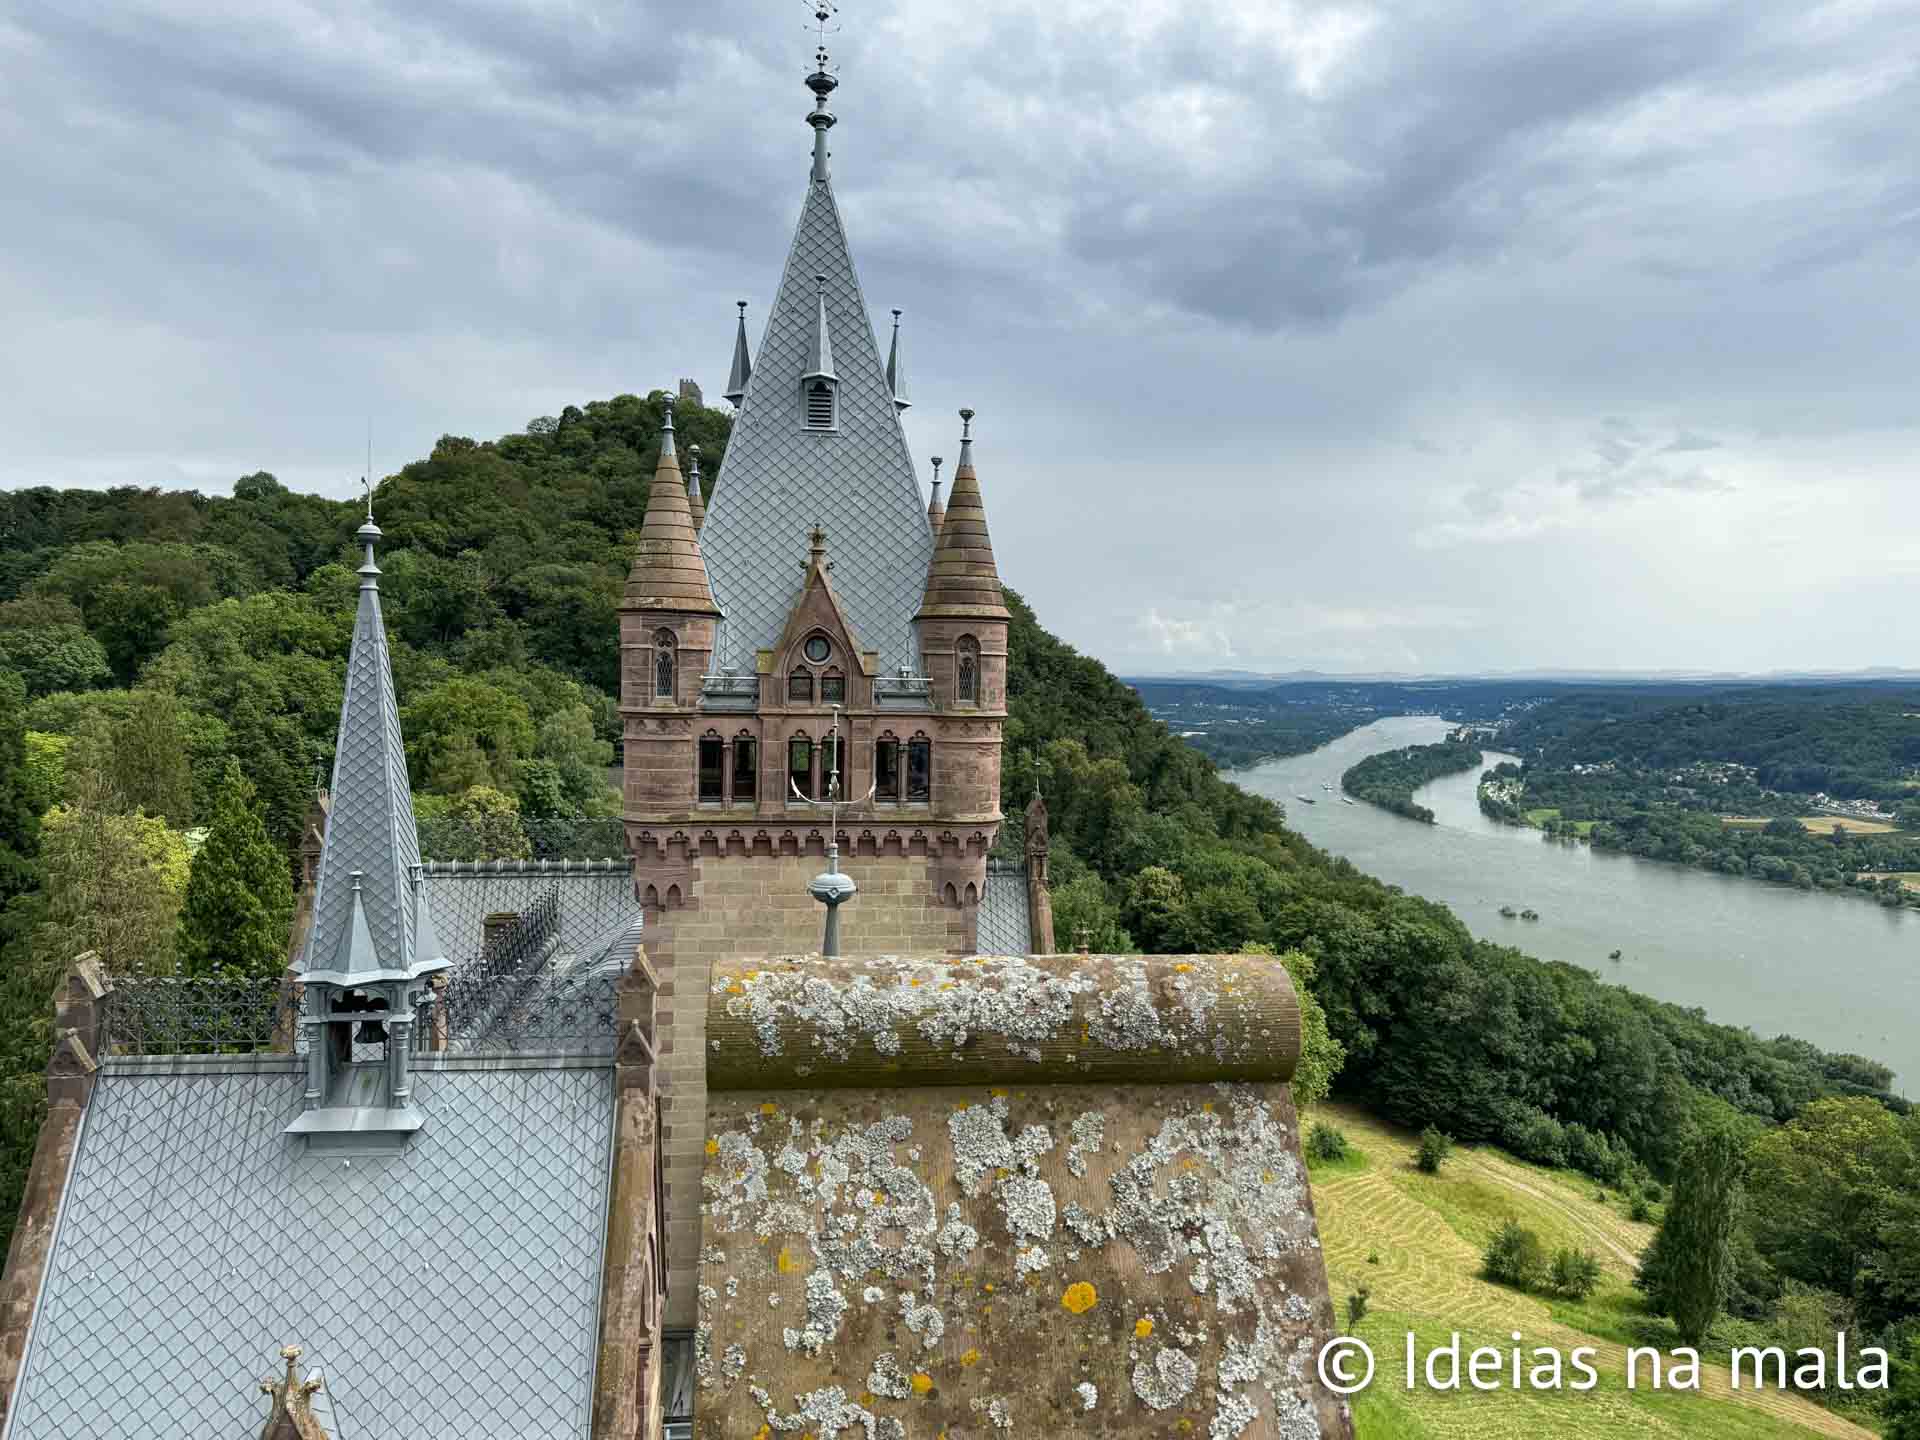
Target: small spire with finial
[(742, 370), (936, 512), (965, 462), (666, 426), (896, 368), (696, 499)]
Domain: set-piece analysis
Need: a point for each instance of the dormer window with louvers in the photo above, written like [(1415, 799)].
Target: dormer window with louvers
[(819, 386), (820, 398)]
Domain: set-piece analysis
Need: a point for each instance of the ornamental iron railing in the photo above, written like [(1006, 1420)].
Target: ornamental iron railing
[(201, 1015)]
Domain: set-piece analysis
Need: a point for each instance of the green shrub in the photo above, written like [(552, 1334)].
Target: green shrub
[(1357, 1305), (1641, 1209), (1326, 1143), (1574, 1273), (1435, 1146), (1516, 1257)]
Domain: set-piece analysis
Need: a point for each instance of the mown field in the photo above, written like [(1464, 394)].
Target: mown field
[(1416, 1240)]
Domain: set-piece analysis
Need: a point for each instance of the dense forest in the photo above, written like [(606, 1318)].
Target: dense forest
[(170, 671), (1726, 781), (1389, 778), (1859, 741), (1680, 816)]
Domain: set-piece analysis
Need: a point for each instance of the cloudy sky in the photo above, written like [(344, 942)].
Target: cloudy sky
[(1427, 335)]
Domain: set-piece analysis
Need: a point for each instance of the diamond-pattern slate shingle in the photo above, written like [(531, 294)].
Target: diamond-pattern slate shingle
[(1003, 926), (779, 479), (370, 824), (447, 1291)]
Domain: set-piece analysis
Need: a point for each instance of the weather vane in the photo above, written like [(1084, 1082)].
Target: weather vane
[(831, 888)]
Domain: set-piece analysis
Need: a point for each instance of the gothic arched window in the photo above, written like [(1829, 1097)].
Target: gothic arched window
[(966, 687), (663, 664)]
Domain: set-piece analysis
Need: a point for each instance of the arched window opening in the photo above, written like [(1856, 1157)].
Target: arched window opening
[(663, 663), (919, 770), (800, 687), (712, 768), (967, 671), (745, 769), (833, 688), (886, 769), (800, 766)]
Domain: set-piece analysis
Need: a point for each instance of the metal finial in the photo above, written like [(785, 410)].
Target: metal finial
[(743, 308), (937, 463), (896, 317), (366, 486), (820, 281), (966, 423)]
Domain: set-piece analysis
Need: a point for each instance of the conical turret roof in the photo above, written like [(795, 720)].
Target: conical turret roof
[(962, 581), (370, 918), (668, 572)]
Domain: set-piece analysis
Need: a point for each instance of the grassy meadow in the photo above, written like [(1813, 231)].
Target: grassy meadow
[(1416, 1240)]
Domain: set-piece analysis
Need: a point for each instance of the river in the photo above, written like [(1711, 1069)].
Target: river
[(1837, 970)]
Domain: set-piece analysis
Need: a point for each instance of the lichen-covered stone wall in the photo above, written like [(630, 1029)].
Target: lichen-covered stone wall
[(888, 1019), (960, 1261), (758, 904), (968, 1198)]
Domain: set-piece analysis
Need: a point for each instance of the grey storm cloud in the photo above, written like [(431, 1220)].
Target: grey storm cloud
[(1419, 309)]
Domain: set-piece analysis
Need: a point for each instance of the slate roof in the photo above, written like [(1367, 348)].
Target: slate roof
[(1003, 926), (370, 824), (446, 1291), (778, 479)]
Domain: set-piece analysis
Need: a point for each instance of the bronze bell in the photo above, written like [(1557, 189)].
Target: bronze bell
[(371, 1032)]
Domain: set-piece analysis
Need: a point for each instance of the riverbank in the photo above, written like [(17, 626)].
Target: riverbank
[(1776, 960), (1389, 778), (1610, 810)]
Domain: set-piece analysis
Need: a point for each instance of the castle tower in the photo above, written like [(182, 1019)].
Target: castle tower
[(812, 627)]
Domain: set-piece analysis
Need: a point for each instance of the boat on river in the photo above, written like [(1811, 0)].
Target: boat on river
[(1508, 911), (1307, 798)]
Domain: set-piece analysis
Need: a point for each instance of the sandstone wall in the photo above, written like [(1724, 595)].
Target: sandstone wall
[(743, 907)]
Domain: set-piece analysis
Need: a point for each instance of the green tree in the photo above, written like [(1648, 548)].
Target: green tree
[(239, 903), (114, 883), (464, 732), (1902, 1410), (1574, 1273), (1516, 1257), (45, 775), (1435, 1146), (480, 823), (1156, 910), (1826, 1187), (25, 1028), (54, 657), (1687, 1271), (1321, 1056)]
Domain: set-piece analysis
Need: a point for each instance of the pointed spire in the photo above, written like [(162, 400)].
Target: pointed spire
[(936, 512), (668, 572), (742, 370), (820, 339), (962, 581), (696, 499), (896, 371), (822, 83), (370, 920)]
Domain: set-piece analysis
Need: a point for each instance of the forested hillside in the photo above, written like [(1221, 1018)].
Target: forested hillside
[(178, 658), (1854, 742)]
